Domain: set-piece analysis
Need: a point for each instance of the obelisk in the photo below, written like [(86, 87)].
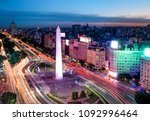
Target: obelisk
[(59, 71)]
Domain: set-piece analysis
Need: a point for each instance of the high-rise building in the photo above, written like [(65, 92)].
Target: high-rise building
[(76, 27), (48, 40), (145, 72), (126, 60), (78, 50), (63, 45), (145, 69), (96, 56), (38, 37), (13, 27)]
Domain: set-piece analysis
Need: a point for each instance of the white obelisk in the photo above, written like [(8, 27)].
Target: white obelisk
[(59, 71)]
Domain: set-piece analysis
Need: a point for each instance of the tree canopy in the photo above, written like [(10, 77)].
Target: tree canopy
[(142, 98), (8, 98)]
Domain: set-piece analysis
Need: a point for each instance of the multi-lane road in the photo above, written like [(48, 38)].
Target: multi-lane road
[(10, 77), (113, 91), (124, 95)]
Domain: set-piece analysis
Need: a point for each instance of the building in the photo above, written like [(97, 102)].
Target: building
[(78, 50), (145, 69), (125, 60), (48, 41), (76, 28), (38, 37), (145, 72), (65, 46), (13, 27), (96, 56)]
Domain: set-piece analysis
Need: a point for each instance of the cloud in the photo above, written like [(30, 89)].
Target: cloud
[(24, 18)]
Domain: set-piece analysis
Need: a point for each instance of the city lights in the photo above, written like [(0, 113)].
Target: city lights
[(114, 44), (113, 74), (63, 35), (147, 52), (67, 42), (77, 64), (85, 39)]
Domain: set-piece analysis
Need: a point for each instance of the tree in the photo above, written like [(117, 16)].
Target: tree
[(103, 69), (2, 36), (91, 65), (82, 94), (81, 62), (142, 98), (75, 95), (124, 76), (22, 54), (0, 44), (15, 57), (137, 77), (8, 45), (2, 58), (8, 98)]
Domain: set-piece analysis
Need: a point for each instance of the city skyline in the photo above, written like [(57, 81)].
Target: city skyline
[(39, 13)]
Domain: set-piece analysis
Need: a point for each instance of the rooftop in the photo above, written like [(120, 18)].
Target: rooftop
[(145, 58)]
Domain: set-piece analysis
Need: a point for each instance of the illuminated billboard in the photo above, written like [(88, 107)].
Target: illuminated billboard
[(63, 34), (147, 52), (114, 44), (85, 39)]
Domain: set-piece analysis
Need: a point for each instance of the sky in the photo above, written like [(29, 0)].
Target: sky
[(45, 12)]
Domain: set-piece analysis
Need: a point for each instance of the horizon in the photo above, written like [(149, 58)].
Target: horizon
[(91, 24), (33, 13)]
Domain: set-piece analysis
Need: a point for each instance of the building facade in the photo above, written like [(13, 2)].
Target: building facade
[(13, 27), (125, 61), (145, 72), (96, 56), (78, 50), (38, 37), (48, 40)]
